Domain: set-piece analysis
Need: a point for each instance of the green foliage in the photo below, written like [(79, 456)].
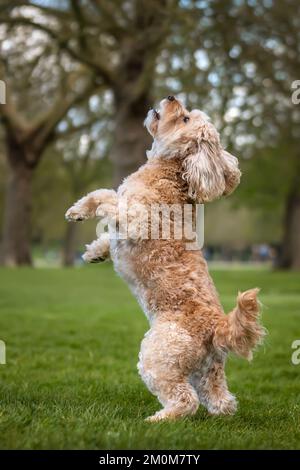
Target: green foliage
[(232, 223), (267, 177), (72, 340)]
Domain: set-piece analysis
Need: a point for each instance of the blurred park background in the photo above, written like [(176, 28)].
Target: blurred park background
[(79, 77)]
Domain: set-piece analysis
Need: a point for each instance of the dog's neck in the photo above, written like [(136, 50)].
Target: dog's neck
[(161, 149)]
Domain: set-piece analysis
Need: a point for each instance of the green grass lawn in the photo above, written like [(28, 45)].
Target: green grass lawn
[(72, 340)]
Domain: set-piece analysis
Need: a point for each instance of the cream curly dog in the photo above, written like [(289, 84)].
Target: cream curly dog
[(183, 355)]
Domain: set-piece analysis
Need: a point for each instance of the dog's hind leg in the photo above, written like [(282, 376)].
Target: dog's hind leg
[(211, 386), (179, 400), (166, 357)]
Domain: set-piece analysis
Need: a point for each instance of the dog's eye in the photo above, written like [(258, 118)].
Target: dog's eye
[(186, 119)]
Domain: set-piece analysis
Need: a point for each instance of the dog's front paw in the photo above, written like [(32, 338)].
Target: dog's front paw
[(77, 213), (89, 257), (98, 250)]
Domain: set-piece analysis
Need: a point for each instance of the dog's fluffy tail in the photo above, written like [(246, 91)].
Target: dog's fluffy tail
[(239, 331)]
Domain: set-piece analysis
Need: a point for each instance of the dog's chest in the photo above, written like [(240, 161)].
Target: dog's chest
[(123, 259), (121, 254)]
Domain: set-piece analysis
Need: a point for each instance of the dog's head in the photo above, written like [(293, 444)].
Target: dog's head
[(209, 170)]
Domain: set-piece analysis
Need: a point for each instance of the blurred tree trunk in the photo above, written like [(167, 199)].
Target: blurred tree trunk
[(25, 144), (290, 250), (130, 137), (131, 86), (17, 211), (69, 247), (131, 90), (80, 175)]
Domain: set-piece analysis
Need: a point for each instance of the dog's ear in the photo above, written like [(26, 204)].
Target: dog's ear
[(232, 173), (203, 171), (209, 170)]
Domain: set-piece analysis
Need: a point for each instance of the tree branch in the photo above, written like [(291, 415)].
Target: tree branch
[(79, 16), (62, 42), (108, 12), (61, 14), (57, 112), (8, 112), (73, 129)]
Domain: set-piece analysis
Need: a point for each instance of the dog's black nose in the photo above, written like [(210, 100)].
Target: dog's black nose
[(171, 98)]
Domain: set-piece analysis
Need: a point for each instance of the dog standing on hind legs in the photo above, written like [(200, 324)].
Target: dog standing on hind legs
[(183, 355)]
